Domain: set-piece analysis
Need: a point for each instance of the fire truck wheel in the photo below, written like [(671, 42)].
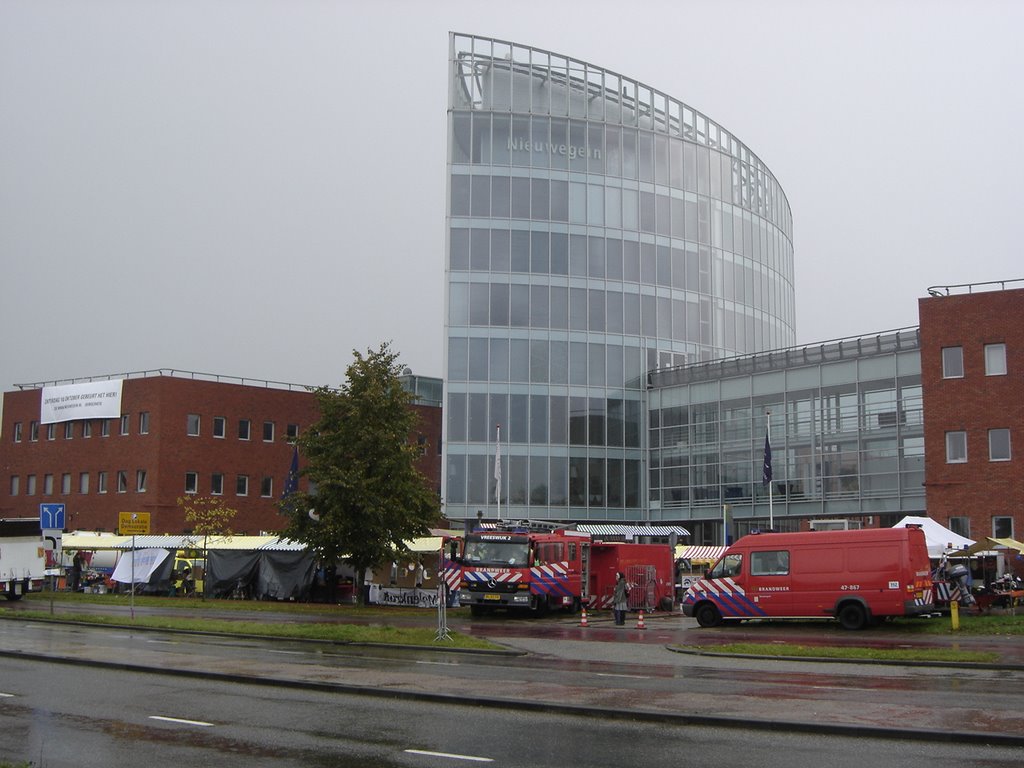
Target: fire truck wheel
[(708, 615), (853, 616), (12, 595)]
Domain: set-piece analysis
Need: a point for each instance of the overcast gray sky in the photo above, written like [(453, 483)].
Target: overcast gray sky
[(256, 187)]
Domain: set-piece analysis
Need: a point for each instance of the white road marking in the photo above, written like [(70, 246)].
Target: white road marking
[(288, 653), (440, 663), (6, 695), (451, 756), (162, 642), (632, 677), (199, 723)]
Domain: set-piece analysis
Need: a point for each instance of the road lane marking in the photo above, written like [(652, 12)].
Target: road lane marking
[(180, 721), (440, 663), (6, 695), (631, 677), (288, 653), (449, 755)]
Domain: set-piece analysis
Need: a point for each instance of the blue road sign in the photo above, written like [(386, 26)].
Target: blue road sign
[(51, 516)]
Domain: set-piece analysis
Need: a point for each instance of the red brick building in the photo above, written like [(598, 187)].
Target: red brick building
[(177, 434), (972, 371)]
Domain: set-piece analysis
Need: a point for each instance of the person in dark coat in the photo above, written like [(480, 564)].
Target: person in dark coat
[(620, 596)]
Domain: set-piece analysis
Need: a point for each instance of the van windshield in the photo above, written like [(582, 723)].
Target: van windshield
[(728, 566)]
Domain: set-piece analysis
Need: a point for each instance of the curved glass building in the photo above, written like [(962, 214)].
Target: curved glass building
[(596, 229)]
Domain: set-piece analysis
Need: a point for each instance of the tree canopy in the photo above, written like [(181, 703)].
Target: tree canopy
[(366, 496)]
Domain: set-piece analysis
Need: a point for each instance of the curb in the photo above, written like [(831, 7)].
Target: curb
[(985, 665)]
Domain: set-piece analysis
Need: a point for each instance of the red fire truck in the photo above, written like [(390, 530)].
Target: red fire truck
[(538, 567), (854, 576)]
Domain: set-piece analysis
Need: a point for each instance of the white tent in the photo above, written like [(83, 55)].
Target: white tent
[(940, 539)]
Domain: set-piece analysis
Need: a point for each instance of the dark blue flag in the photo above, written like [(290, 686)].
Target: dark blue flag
[(291, 483), (766, 472)]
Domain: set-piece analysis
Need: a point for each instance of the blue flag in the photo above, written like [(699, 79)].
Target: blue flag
[(291, 482), (766, 471)]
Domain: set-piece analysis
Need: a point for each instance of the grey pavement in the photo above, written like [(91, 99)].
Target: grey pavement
[(662, 651)]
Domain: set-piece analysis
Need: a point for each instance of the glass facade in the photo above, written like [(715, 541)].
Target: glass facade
[(596, 229), (847, 433)]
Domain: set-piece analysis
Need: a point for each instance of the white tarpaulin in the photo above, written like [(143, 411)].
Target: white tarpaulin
[(88, 400), (146, 561), (939, 538)]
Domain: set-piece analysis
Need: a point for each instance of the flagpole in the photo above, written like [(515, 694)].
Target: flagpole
[(768, 440), (497, 472)]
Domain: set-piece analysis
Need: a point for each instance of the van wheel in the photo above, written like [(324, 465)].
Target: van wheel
[(853, 616), (708, 615)]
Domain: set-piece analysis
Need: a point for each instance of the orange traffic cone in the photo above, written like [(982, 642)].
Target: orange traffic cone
[(583, 617), (640, 620)]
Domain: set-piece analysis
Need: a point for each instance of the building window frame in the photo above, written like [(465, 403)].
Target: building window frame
[(267, 487), (217, 484), (69, 430), (268, 431), (999, 448), (125, 424), (83, 483), (220, 427), (48, 484), (952, 362), (104, 427), (51, 431), (292, 432), (101, 482), (122, 481), (87, 428), (191, 482), (995, 359), (242, 485), (244, 429), (1002, 527), (15, 485), (33, 431), (65, 483), (956, 447), (17, 431), (193, 425), (140, 481), (30, 485), (143, 422)]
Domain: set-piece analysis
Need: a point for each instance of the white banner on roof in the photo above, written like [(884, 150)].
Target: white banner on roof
[(89, 400), (146, 561)]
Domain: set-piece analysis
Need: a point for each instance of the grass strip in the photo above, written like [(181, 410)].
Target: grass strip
[(852, 652), (328, 632)]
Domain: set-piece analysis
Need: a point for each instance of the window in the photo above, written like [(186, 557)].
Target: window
[(47, 485), (219, 426), (17, 431), (51, 431), (86, 429), (122, 481), (952, 362), (15, 485), (730, 565), (65, 483), (956, 447), (124, 424), (268, 431), (143, 422), (999, 445), (267, 487), (293, 432), (105, 428), (33, 431), (83, 482), (192, 425), (217, 484), (69, 430), (244, 428), (774, 563), (961, 526), (995, 359), (1002, 527), (191, 482), (140, 480), (101, 482), (30, 485), (242, 485)]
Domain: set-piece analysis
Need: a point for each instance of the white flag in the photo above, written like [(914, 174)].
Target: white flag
[(497, 469)]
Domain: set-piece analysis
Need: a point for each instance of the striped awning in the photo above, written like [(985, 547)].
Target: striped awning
[(631, 531), (695, 552)]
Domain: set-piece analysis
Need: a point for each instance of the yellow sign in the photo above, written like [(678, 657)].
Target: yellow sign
[(133, 523)]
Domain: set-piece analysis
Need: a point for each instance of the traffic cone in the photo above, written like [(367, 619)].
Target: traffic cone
[(583, 617), (640, 620)]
